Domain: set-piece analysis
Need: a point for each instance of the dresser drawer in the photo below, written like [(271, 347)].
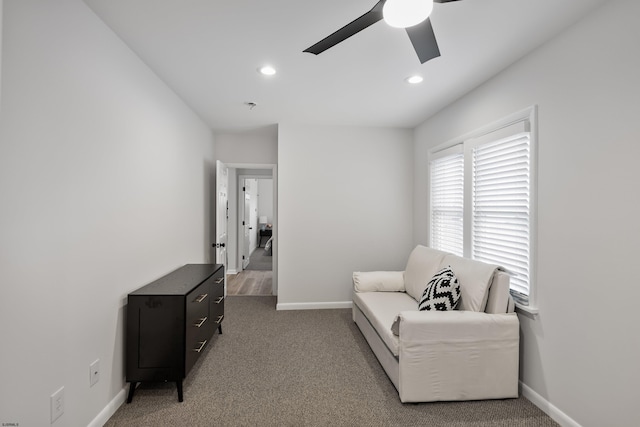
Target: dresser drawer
[(198, 303), (198, 326), (216, 308)]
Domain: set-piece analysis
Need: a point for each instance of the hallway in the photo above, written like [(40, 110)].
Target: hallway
[(250, 282)]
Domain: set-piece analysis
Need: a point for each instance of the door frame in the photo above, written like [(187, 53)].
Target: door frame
[(257, 171)]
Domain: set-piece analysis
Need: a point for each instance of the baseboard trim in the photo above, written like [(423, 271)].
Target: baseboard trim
[(547, 407), (108, 411), (313, 305), (232, 271)]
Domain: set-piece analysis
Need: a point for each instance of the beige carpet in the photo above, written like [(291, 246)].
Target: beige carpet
[(300, 368), (260, 260)]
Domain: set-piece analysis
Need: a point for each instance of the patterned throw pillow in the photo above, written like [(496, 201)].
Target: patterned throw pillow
[(442, 293)]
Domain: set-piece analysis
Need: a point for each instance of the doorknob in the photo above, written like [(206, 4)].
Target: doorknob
[(218, 245)]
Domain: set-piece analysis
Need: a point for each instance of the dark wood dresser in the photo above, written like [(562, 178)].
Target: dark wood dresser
[(170, 322)]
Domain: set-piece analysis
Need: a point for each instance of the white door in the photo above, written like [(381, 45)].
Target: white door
[(222, 216), (246, 246), (252, 189)]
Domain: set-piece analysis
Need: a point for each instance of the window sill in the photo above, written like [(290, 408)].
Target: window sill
[(528, 311)]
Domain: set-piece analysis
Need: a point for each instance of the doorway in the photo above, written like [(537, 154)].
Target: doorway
[(258, 229), (252, 252), (255, 237)]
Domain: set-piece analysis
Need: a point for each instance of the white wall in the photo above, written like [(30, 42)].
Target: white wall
[(265, 199), (257, 146), (344, 205), (581, 353), (105, 182)]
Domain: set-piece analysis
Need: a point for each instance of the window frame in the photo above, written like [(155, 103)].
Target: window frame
[(529, 118)]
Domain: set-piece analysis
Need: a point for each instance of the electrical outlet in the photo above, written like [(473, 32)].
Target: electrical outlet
[(57, 404), (94, 372)]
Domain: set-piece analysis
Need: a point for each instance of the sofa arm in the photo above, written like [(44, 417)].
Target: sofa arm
[(378, 281), (458, 355)]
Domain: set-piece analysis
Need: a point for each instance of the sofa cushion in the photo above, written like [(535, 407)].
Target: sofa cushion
[(475, 278), (381, 308), (442, 292), (423, 263)]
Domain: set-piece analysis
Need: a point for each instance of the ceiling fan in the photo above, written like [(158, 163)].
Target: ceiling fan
[(397, 13)]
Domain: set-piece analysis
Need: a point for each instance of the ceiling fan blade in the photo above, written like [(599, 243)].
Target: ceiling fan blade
[(424, 40), (369, 18)]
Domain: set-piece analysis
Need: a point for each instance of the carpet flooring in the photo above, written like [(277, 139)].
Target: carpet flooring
[(260, 260), (300, 368)]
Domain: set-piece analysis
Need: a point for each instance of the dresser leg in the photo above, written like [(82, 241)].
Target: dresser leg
[(220, 328), (179, 384), (132, 388)]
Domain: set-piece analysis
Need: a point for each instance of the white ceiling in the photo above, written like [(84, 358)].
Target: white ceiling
[(208, 52)]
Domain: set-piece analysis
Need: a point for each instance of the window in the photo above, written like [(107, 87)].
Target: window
[(447, 201), (482, 199)]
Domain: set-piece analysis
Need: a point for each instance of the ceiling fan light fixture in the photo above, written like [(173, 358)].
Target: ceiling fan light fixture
[(406, 13), (267, 70)]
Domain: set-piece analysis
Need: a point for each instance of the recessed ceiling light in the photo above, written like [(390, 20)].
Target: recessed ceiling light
[(267, 70), (414, 80)]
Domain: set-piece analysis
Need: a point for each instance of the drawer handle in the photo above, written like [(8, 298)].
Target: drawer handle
[(219, 300), (220, 318), (202, 344), (202, 320), (202, 297), (220, 280)]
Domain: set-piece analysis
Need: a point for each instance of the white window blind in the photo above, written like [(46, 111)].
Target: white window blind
[(447, 201), (483, 199), (501, 208)]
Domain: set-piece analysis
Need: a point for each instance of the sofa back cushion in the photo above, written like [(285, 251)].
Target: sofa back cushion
[(422, 265), (475, 279)]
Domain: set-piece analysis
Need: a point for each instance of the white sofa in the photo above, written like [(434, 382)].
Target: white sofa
[(470, 353)]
